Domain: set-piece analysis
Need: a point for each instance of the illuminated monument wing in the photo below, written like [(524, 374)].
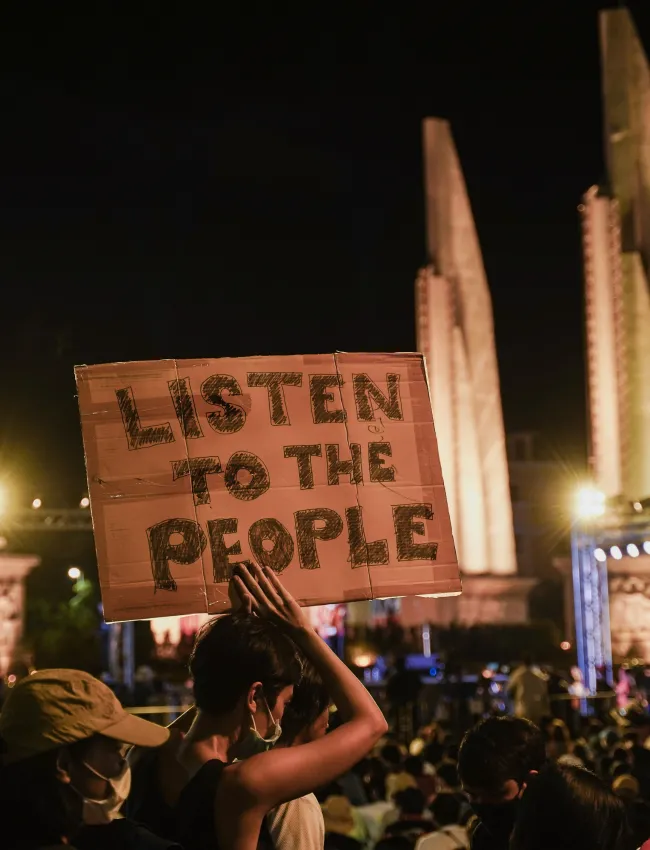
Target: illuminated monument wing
[(616, 231), (616, 242), (456, 333)]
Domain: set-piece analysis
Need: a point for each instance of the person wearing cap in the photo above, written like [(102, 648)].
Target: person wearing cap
[(63, 737)]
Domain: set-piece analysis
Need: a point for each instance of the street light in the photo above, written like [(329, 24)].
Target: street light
[(74, 573), (85, 502), (36, 504), (589, 503)]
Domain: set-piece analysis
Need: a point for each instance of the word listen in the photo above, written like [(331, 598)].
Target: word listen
[(222, 391)]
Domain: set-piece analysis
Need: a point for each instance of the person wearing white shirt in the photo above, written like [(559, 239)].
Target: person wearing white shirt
[(299, 823)]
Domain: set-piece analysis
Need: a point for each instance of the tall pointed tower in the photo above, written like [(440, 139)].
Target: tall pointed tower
[(455, 331)]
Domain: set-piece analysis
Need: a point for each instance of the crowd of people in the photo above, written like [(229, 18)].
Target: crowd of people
[(285, 748)]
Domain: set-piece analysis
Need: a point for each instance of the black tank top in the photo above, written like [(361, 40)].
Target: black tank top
[(194, 812)]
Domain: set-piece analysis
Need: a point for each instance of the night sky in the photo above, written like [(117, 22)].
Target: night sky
[(251, 183)]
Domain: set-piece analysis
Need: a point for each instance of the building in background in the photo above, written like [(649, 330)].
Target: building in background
[(455, 331)]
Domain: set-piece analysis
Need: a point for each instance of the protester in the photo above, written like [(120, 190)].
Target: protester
[(529, 687), (449, 834), (569, 808), (62, 770), (496, 759), (224, 805), (344, 827), (411, 821), (299, 823)]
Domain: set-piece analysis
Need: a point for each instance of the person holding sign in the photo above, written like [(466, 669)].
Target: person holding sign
[(223, 806)]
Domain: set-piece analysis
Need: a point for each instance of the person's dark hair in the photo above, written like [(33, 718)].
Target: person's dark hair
[(392, 755), (446, 809), (619, 754), (433, 752), (310, 699), (451, 752), (414, 765), (448, 773), (374, 780), (235, 650), (570, 808), (34, 805), (498, 749), (619, 769), (410, 801)]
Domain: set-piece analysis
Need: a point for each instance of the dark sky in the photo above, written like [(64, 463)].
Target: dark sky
[(250, 182)]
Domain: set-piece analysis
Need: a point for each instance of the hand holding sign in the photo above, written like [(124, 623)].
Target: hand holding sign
[(262, 593)]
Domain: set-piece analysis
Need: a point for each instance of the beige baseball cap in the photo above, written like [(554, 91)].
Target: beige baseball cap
[(52, 708)]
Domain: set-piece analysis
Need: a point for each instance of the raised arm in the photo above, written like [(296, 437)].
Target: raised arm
[(284, 774)]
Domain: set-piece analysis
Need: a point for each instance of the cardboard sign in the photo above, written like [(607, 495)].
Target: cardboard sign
[(323, 468)]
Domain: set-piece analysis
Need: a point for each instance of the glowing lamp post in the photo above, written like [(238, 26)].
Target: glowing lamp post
[(590, 592)]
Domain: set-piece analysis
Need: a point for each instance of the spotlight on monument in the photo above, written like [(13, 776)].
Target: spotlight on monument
[(74, 573), (632, 550), (616, 553), (590, 503), (600, 555)]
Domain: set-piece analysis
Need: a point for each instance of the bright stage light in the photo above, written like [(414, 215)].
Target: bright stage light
[(74, 573), (632, 550), (646, 547), (616, 553), (600, 555), (590, 503), (36, 504)]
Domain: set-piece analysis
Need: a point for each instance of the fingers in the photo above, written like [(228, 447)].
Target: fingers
[(244, 596), (278, 587), (264, 578), (252, 578)]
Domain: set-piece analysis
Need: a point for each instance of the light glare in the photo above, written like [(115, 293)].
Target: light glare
[(600, 555), (590, 503), (36, 504), (74, 573), (616, 553), (85, 502), (646, 547), (633, 550)]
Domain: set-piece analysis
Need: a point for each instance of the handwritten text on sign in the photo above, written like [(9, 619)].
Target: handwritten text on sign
[(325, 467)]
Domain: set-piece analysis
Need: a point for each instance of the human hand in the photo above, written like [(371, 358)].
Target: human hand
[(261, 592)]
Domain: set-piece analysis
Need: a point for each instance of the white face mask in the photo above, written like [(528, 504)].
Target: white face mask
[(98, 812), (254, 743)]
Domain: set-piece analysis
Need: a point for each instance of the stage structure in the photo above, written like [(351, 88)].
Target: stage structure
[(455, 331), (611, 568)]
